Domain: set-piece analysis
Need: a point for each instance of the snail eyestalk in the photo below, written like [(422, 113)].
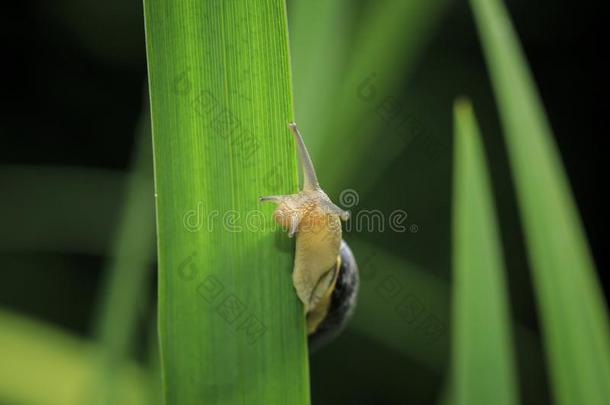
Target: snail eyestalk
[(310, 181)]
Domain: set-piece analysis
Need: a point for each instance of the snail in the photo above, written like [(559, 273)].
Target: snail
[(325, 274)]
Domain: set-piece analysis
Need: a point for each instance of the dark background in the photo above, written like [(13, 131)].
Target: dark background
[(73, 79)]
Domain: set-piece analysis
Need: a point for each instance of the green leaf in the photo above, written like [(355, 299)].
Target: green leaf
[(572, 308), (401, 305), (318, 42), (42, 365), (483, 366), (231, 327), (127, 278), (385, 50)]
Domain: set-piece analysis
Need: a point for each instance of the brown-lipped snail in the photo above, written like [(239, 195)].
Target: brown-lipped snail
[(325, 274)]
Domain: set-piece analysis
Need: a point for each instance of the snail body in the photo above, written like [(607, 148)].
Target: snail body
[(325, 274)]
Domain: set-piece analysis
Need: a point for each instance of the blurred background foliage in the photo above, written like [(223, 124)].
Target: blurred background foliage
[(374, 85)]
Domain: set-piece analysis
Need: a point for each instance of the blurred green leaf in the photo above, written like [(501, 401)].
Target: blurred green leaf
[(401, 306), (230, 325), (572, 308), (389, 41), (318, 44), (123, 289), (483, 365), (44, 366), (405, 308)]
